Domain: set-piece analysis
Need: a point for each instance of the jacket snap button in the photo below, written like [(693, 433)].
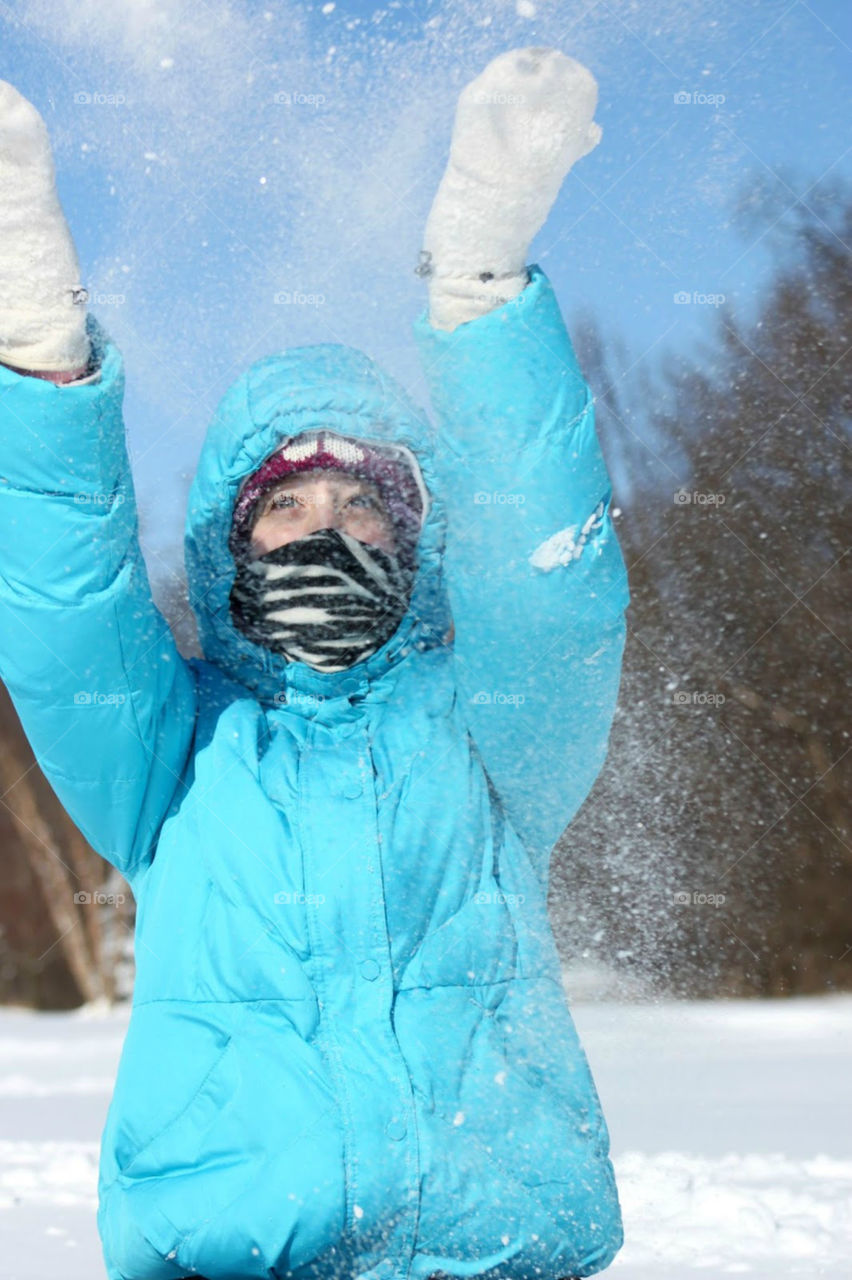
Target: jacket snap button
[(353, 789), (395, 1129), (370, 969)]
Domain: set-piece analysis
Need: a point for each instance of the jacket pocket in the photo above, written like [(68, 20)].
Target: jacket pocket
[(178, 1146), (543, 1052), (477, 945), (174, 1177), (177, 1070)]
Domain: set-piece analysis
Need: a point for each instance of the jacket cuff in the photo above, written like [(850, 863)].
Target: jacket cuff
[(65, 440), (61, 379), (506, 379)]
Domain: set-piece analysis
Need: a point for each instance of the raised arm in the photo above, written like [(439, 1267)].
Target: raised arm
[(104, 697), (535, 575)]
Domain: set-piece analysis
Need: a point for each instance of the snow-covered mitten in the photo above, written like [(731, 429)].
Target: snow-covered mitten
[(519, 127), (42, 304)]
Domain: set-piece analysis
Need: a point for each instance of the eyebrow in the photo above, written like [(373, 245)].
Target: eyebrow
[(293, 482)]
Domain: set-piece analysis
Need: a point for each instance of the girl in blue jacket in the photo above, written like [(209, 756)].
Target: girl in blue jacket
[(349, 1053)]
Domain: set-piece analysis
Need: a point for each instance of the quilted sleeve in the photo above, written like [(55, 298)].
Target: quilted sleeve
[(107, 702), (536, 578)]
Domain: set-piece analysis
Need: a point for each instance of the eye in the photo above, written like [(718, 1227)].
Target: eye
[(366, 500), (284, 500)]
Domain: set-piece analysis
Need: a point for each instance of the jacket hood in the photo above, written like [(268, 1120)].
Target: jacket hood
[(342, 390)]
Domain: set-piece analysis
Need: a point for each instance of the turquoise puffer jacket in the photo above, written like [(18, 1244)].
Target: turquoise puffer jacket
[(349, 1052)]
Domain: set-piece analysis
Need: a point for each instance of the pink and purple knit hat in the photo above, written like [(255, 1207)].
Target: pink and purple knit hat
[(392, 468)]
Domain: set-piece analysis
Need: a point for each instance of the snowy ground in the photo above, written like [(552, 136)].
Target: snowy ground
[(730, 1127)]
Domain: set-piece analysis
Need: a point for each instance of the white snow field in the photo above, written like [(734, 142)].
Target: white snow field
[(731, 1126)]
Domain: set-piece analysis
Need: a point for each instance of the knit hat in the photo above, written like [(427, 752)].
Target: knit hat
[(392, 468)]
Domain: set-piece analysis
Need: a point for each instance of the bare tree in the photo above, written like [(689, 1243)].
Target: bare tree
[(66, 919)]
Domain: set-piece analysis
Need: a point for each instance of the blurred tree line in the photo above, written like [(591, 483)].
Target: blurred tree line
[(713, 856)]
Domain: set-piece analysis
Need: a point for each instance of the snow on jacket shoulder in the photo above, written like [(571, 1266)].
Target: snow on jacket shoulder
[(349, 1053)]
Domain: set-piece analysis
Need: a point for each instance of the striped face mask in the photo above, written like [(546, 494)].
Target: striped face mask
[(327, 600)]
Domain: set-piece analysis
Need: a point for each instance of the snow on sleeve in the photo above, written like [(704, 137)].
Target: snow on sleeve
[(567, 545)]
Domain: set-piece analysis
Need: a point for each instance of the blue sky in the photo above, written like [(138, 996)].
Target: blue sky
[(213, 157)]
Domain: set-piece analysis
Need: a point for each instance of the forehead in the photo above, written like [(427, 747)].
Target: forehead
[(321, 473)]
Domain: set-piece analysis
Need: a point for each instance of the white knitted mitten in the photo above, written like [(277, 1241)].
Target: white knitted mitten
[(42, 304), (519, 127)]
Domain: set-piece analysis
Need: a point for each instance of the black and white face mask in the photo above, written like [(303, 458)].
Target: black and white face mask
[(327, 600)]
